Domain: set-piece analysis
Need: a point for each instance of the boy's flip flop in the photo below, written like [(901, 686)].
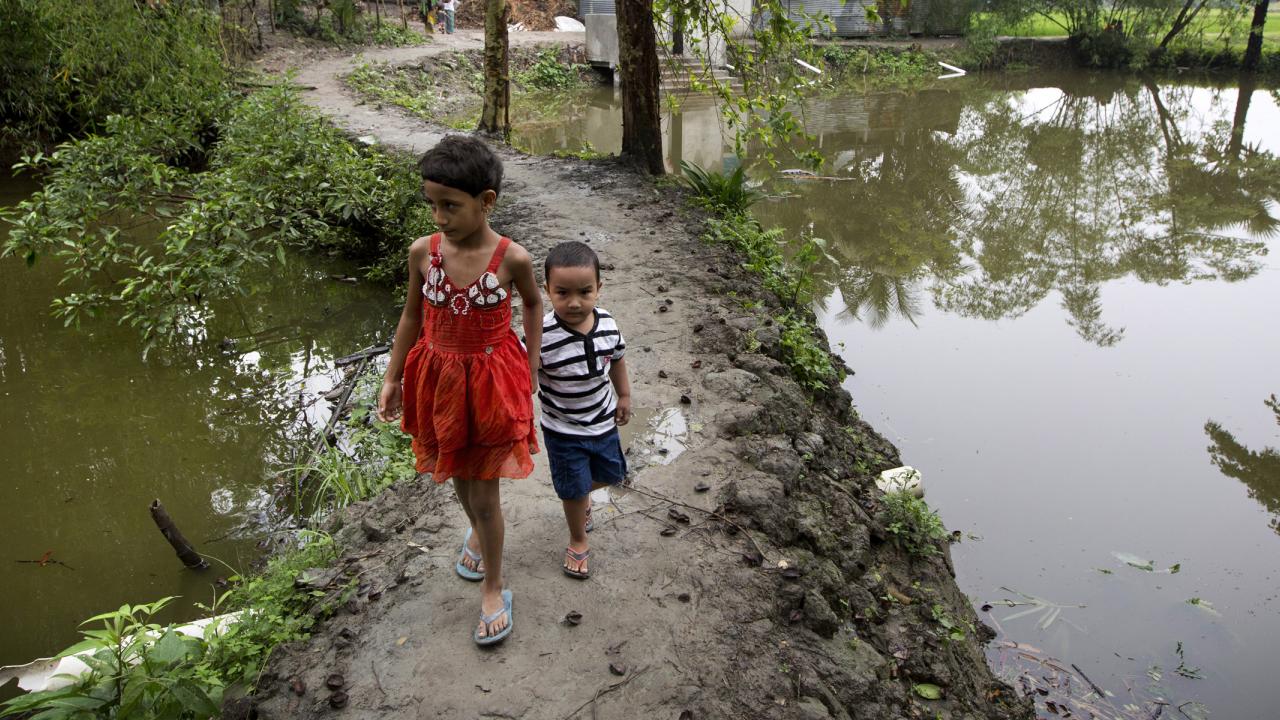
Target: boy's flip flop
[(578, 557), (487, 619), (463, 571)]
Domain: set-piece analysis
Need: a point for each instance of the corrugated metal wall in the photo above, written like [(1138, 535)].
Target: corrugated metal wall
[(595, 7)]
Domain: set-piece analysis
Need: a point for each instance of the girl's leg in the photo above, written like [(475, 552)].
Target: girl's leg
[(486, 505), (462, 488)]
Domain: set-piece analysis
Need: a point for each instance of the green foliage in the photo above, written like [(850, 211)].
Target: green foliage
[(804, 353), (379, 456), (719, 192), (914, 527), (392, 34), (953, 630), (889, 63), (280, 177), (69, 66), (137, 669), (549, 72), (142, 670), (402, 86), (809, 359)]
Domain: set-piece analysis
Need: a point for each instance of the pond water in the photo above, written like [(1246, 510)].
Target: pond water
[(1059, 293), (92, 433)]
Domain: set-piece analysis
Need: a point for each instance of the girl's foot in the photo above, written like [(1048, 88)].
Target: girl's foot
[(495, 618), (470, 565)]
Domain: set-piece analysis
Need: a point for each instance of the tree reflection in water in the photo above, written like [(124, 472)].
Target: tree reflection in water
[(1259, 471), (991, 198)]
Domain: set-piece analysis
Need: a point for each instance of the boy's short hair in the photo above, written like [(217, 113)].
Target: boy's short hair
[(570, 254), (462, 162)]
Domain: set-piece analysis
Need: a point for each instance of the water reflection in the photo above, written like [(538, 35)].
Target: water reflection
[(991, 198), (1258, 470), (92, 433)]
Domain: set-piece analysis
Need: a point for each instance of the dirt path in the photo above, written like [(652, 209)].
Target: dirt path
[(689, 628)]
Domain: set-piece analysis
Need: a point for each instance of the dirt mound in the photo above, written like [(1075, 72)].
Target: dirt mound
[(532, 14)]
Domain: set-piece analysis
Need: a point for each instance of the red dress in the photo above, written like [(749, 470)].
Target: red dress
[(467, 402)]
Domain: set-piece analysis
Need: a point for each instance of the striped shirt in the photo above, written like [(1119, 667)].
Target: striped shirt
[(573, 383)]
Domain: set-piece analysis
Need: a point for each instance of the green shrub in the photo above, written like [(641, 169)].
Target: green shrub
[(914, 527), (69, 66), (720, 192), (548, 72), (141, 670), (280, 176)]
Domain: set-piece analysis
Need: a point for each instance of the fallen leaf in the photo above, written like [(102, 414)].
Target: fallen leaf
[(701, 487), (402, 640), (617, 668), (928, 691), (338, 700), (573, 617), (678, 516), (299, 688), (335, 681), (685, 400), (696, 364), (667, 531)]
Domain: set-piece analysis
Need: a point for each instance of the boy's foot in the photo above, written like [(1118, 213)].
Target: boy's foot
[(575, 563), (496, 619)]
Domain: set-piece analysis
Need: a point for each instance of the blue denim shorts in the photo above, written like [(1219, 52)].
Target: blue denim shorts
[(577, 461)]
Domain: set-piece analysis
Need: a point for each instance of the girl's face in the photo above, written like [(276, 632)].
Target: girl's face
[(457, 213), (573, 292)]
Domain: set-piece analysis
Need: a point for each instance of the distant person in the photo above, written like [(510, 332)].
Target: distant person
[(458, 375), (449, 7), (427, 9), (584, 392)]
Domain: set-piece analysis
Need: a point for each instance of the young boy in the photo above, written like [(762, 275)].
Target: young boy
[(581, 409)]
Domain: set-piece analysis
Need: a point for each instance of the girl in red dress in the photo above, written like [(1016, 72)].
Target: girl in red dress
[(458, 376)]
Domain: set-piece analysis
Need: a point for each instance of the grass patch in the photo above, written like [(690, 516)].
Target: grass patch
[(914, 527)]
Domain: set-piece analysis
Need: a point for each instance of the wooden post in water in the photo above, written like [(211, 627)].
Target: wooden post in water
[(186, 552)]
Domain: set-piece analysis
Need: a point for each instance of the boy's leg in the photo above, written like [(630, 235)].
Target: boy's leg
[(486, 503), (575, 516), (462, 488)]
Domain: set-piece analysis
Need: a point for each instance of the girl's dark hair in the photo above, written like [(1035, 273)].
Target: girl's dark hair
[(462, 162), (570, 254)]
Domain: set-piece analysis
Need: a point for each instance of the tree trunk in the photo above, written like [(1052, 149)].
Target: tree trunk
[(638, 65), (186, 553), (404, 21), (495, 118), (1180, 23), (1253, 53)]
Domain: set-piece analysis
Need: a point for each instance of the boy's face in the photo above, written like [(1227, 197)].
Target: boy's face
[(457, 213), (573, 292)]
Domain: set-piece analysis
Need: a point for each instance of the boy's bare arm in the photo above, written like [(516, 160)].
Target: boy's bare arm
[(531, 304), (621, 388)]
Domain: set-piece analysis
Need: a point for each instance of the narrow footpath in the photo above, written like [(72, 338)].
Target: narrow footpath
[(744, 574)]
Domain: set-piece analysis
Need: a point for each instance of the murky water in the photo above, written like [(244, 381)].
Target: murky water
[(1060, 296), (92, 433)]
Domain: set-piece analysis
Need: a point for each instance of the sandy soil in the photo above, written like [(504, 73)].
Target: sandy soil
[(771, 594)]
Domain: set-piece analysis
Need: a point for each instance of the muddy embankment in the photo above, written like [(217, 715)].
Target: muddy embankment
[(748, 572)]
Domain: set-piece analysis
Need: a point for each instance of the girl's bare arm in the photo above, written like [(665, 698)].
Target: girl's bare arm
[(521, 267), (407, 330)]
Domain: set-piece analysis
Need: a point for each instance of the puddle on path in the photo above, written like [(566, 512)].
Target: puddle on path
[(654, 436)]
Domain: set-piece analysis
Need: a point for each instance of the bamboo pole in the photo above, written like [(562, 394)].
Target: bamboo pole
[(185, 550)]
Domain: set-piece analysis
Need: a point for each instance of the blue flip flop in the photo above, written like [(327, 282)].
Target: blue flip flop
[(463, 571), (486, 619)]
